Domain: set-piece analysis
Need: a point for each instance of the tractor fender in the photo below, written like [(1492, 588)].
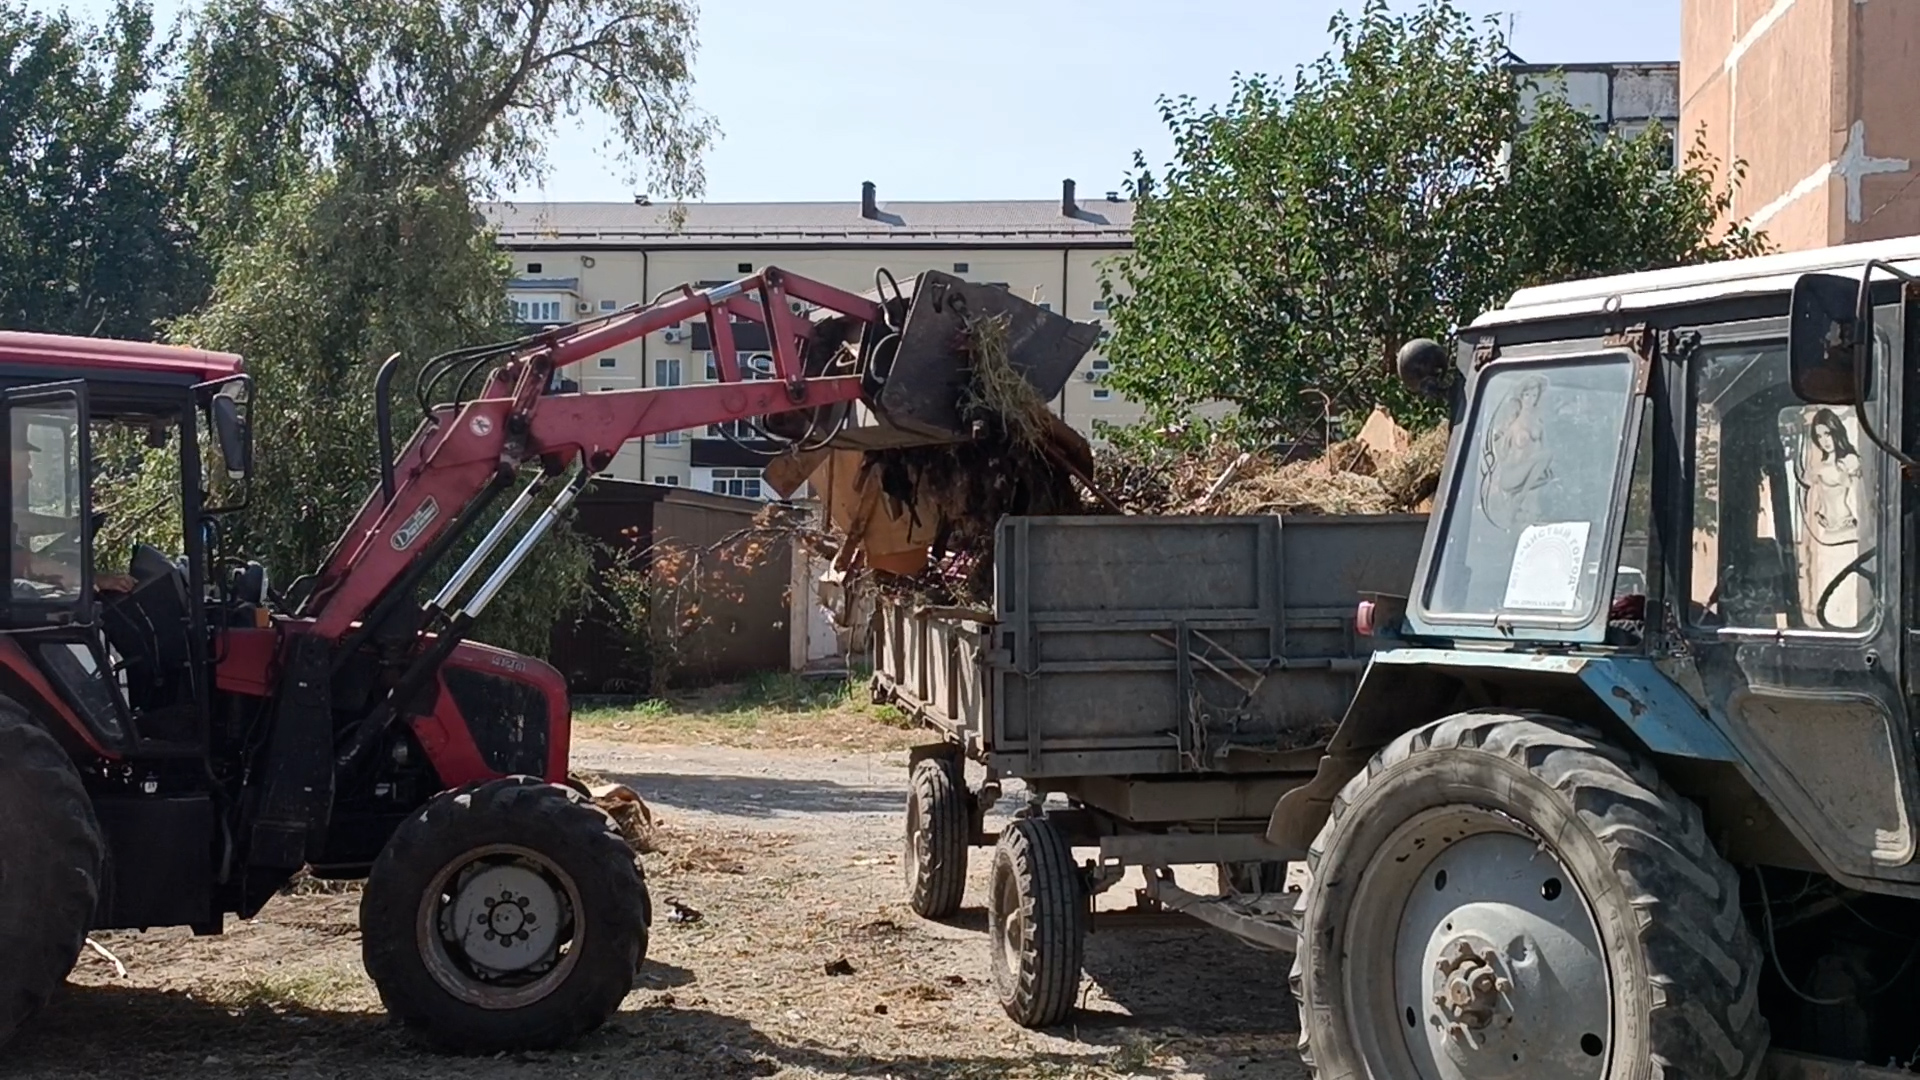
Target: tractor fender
[(1403, 688)]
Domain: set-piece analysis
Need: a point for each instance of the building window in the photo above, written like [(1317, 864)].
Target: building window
[(960, 268), (741, 482), (669, 481), (666, 371), (744, 268), (608, 361), (667, 438), (739, 429), (1046, 306), (1101, 393), (607, 305), (534, 311), (533, 268), (1101, 364), (1106, 336), (1099, 305)]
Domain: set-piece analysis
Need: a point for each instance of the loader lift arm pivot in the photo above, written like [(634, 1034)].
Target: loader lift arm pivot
[(465, 450)]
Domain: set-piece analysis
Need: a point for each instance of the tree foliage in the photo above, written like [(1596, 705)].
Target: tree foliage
[(1391, 191), (336, 155), (91, 238)]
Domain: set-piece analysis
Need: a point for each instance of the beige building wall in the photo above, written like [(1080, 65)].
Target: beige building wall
[(1821, 99), (1066, 280)]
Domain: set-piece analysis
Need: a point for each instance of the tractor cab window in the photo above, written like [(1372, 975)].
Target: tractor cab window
[(1534, 492), (45, 504), (1783, 520)]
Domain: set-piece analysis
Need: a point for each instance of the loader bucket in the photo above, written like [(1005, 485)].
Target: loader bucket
[(929, 375), (922, 382)]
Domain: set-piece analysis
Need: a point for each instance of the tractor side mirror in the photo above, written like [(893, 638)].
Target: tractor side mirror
[(1821, 337), (236, 440)]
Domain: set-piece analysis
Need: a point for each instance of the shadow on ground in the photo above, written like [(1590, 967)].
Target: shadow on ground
[(756, 796), (100, 1031)]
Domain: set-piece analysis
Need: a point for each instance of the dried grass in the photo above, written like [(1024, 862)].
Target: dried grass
[(1001, 390)]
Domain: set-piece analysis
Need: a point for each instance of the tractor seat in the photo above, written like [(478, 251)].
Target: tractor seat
[(148, 628)]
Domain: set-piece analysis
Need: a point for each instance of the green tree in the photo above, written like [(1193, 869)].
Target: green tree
[(91, 239), (338, 153), (1304, 232)]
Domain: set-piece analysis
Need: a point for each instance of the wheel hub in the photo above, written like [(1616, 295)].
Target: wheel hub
[(1468, 988), (1473, 935), (505, 919)]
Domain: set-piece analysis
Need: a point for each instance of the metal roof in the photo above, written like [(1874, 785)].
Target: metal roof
[(58, 351), (1096, 222), (1757, 276)]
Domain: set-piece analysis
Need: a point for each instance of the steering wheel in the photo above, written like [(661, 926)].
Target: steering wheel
[(1857, 566)]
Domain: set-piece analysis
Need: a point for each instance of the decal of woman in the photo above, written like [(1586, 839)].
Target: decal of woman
[(1830, 470), (1515, 462)]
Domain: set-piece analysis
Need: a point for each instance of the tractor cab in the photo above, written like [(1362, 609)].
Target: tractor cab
[(99, 435)]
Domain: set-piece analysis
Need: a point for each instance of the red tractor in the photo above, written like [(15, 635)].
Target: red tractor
[(179, 741)]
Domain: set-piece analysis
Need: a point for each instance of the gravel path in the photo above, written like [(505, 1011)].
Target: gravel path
[(791, 859)]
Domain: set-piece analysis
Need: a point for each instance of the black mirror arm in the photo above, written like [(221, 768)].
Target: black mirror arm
[(1863, 355)]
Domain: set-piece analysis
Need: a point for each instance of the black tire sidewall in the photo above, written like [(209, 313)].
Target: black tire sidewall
[(56, 866), (938, 809), (610, 937), (1434, 779)]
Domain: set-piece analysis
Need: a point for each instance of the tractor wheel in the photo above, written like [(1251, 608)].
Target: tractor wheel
[(52, 859), (938, 823), (1037, 923), (1500, 895), (505, 916)]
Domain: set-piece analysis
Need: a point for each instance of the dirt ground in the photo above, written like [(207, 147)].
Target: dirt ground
[(790, 858)]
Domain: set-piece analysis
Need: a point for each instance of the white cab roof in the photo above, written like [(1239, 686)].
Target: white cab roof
[(1697, 284)]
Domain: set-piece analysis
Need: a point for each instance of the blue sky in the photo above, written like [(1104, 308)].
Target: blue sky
[(1008, 100)]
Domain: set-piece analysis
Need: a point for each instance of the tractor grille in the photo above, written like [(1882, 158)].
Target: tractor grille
[(507, 719)]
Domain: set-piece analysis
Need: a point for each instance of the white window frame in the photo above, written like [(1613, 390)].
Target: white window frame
[(667, 371)]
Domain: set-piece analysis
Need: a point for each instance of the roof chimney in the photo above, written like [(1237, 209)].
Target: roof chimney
[(869, 204), (1068, 207)]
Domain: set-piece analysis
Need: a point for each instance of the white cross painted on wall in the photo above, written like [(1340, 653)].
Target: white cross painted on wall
[(1854, 166)]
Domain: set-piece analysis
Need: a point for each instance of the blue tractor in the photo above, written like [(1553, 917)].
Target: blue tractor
[(1629, 790)]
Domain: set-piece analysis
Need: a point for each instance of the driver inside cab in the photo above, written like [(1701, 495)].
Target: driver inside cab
[(30, 566)]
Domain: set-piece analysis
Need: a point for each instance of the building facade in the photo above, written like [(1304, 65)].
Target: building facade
[(1818, 98), (575, 260), (1622, 99)]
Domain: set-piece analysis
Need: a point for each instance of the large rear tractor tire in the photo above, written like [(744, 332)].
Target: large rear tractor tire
[(937, 827), (503, 917), (1036, 923), (1502, 895), (52, 859)]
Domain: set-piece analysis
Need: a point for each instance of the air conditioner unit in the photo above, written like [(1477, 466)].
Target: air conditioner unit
[(1090, 376), (583, 307), (672, 336)]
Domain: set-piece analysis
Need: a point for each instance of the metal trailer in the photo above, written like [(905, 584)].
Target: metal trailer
[(1172, 677)]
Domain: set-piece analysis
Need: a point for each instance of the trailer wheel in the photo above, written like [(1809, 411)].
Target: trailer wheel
[(505, 916), (1037, 923), (938, 824), (52, 859), (1503, 895)]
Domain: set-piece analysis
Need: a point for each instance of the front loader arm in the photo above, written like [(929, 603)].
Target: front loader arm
[(465, 453)]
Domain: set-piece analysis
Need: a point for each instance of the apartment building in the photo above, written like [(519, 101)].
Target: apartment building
[(574, 260)]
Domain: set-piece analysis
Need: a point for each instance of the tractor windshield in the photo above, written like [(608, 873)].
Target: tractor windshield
[(1533, 494)]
